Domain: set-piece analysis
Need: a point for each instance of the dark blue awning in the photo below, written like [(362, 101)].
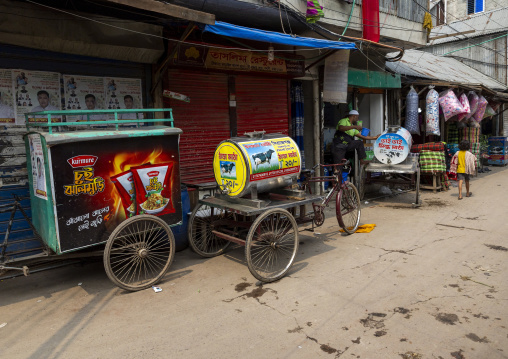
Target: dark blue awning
[(223, 28)]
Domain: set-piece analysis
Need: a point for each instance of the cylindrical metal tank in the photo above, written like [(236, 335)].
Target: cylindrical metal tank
[(393, 146), (264, 162)]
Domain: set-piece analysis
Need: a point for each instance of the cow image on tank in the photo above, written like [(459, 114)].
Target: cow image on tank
[(228, 169), (263, 157)]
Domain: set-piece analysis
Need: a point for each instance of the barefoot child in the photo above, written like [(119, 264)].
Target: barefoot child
[(463, 164)]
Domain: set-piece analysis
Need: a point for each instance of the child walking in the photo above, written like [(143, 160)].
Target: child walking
[(463, 164)]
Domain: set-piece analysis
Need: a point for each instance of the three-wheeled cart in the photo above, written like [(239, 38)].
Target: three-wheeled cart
[(258, 205), (86, 200)]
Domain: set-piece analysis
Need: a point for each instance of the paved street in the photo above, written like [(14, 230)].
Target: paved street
[(426, 283)]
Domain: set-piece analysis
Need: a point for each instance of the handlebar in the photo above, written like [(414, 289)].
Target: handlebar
[(344, 162)]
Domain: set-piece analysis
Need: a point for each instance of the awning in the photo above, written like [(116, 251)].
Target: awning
[(225, 29)]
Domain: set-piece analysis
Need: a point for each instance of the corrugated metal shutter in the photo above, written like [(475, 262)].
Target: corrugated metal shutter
[(262, 104), (204, 121)]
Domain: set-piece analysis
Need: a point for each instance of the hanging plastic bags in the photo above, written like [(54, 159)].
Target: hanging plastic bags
[(480, 111), (465, 105), (432, 113), (450, 104), (412, 123), (473, 104), (489, 111)]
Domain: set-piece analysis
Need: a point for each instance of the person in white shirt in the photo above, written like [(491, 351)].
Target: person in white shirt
[(90, 105), (44, 105), (6, 111), (129, 104)]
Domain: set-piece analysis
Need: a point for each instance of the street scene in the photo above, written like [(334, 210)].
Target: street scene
[(253, 178)]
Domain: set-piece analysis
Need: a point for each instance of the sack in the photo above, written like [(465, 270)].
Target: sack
[(465, 105), (473, 104), (480, 111), (432, 113), (450, 104), (412, 124)]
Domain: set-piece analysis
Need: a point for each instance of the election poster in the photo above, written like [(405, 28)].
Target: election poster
[(84, 93), (36, 91), (123, 93), (7, 114)]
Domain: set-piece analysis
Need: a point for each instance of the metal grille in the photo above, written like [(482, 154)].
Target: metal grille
[(204, 121), (262, 104)]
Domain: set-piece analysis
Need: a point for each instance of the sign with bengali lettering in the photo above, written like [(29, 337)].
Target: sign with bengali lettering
[(239, 60)]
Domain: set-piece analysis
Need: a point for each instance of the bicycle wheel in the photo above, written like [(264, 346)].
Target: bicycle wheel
[(348, 208), (203, 220), (361, 182), (272, 244), (139, 252)]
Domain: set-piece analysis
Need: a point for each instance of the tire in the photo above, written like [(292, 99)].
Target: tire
[(139, 252), (271, 245), (348, 208), (361, 183), (201, 223)]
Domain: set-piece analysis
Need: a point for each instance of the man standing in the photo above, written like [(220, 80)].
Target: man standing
[(6, 111), (44, 105), (344, 139)]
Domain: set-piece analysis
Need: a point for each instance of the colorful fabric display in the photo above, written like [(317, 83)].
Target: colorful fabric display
[(452, 148), (412, 124), (430, 146), (314, 11), (475, 150), (450, 104), (432, 113), (453, 133), (465, 105), (473, 103), (445, 181), (432, 161), (480, 111), (470, 134)]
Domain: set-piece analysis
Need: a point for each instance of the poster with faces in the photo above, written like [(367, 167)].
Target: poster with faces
[(122, 93), (7, 114), (84, 93), (36, 91)]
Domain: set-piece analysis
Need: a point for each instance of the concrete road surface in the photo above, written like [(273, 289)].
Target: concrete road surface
[(430, 282)]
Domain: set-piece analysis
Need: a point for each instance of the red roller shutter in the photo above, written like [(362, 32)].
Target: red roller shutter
[(204, 121), (262, 104)]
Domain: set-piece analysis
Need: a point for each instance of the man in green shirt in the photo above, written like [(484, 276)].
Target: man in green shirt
[(344, 139)]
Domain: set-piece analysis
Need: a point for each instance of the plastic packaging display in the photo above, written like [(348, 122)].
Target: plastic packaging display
[(473, 104), (465, 105), (432, 113), (412, 123), (480, 111), (489, 111), (450, 104)]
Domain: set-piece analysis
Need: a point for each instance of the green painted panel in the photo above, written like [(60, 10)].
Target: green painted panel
[(373, 79)]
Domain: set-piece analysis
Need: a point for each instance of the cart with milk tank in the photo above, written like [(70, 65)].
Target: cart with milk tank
[(83, 196), (259, 205), (392, 161)]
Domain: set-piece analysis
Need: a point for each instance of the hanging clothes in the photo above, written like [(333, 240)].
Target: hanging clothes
[(314, 11), (297, 120)]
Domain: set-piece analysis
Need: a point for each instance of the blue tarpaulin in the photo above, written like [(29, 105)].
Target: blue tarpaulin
[(225, 29)]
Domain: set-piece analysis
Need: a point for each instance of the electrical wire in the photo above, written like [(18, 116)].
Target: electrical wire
[(349, 19), (483, 42)]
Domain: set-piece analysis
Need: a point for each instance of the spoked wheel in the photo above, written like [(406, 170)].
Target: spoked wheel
[(203, 220), (319, 215), (139, 252), (348, 208), (272, 244)]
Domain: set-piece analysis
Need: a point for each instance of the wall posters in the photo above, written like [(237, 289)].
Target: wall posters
[(123, 93), (38, 168), (91, 195), (36, 91), (84, 93), (7, 114)]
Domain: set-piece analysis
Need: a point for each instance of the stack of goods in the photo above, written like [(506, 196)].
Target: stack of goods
[(450, 104), (432, 113), (432, 160), (412, 119), (498, 150), (453, 133)]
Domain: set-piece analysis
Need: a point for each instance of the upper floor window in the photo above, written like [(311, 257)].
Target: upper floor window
[(474, 6)]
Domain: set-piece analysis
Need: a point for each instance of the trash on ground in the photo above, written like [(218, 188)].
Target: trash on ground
[(80, 284), (3, 325), (365, 228), (366, 202), (157, 289), (385, 190)]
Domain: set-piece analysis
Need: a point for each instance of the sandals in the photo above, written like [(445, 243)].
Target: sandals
[(469, 195), (460, 198)]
